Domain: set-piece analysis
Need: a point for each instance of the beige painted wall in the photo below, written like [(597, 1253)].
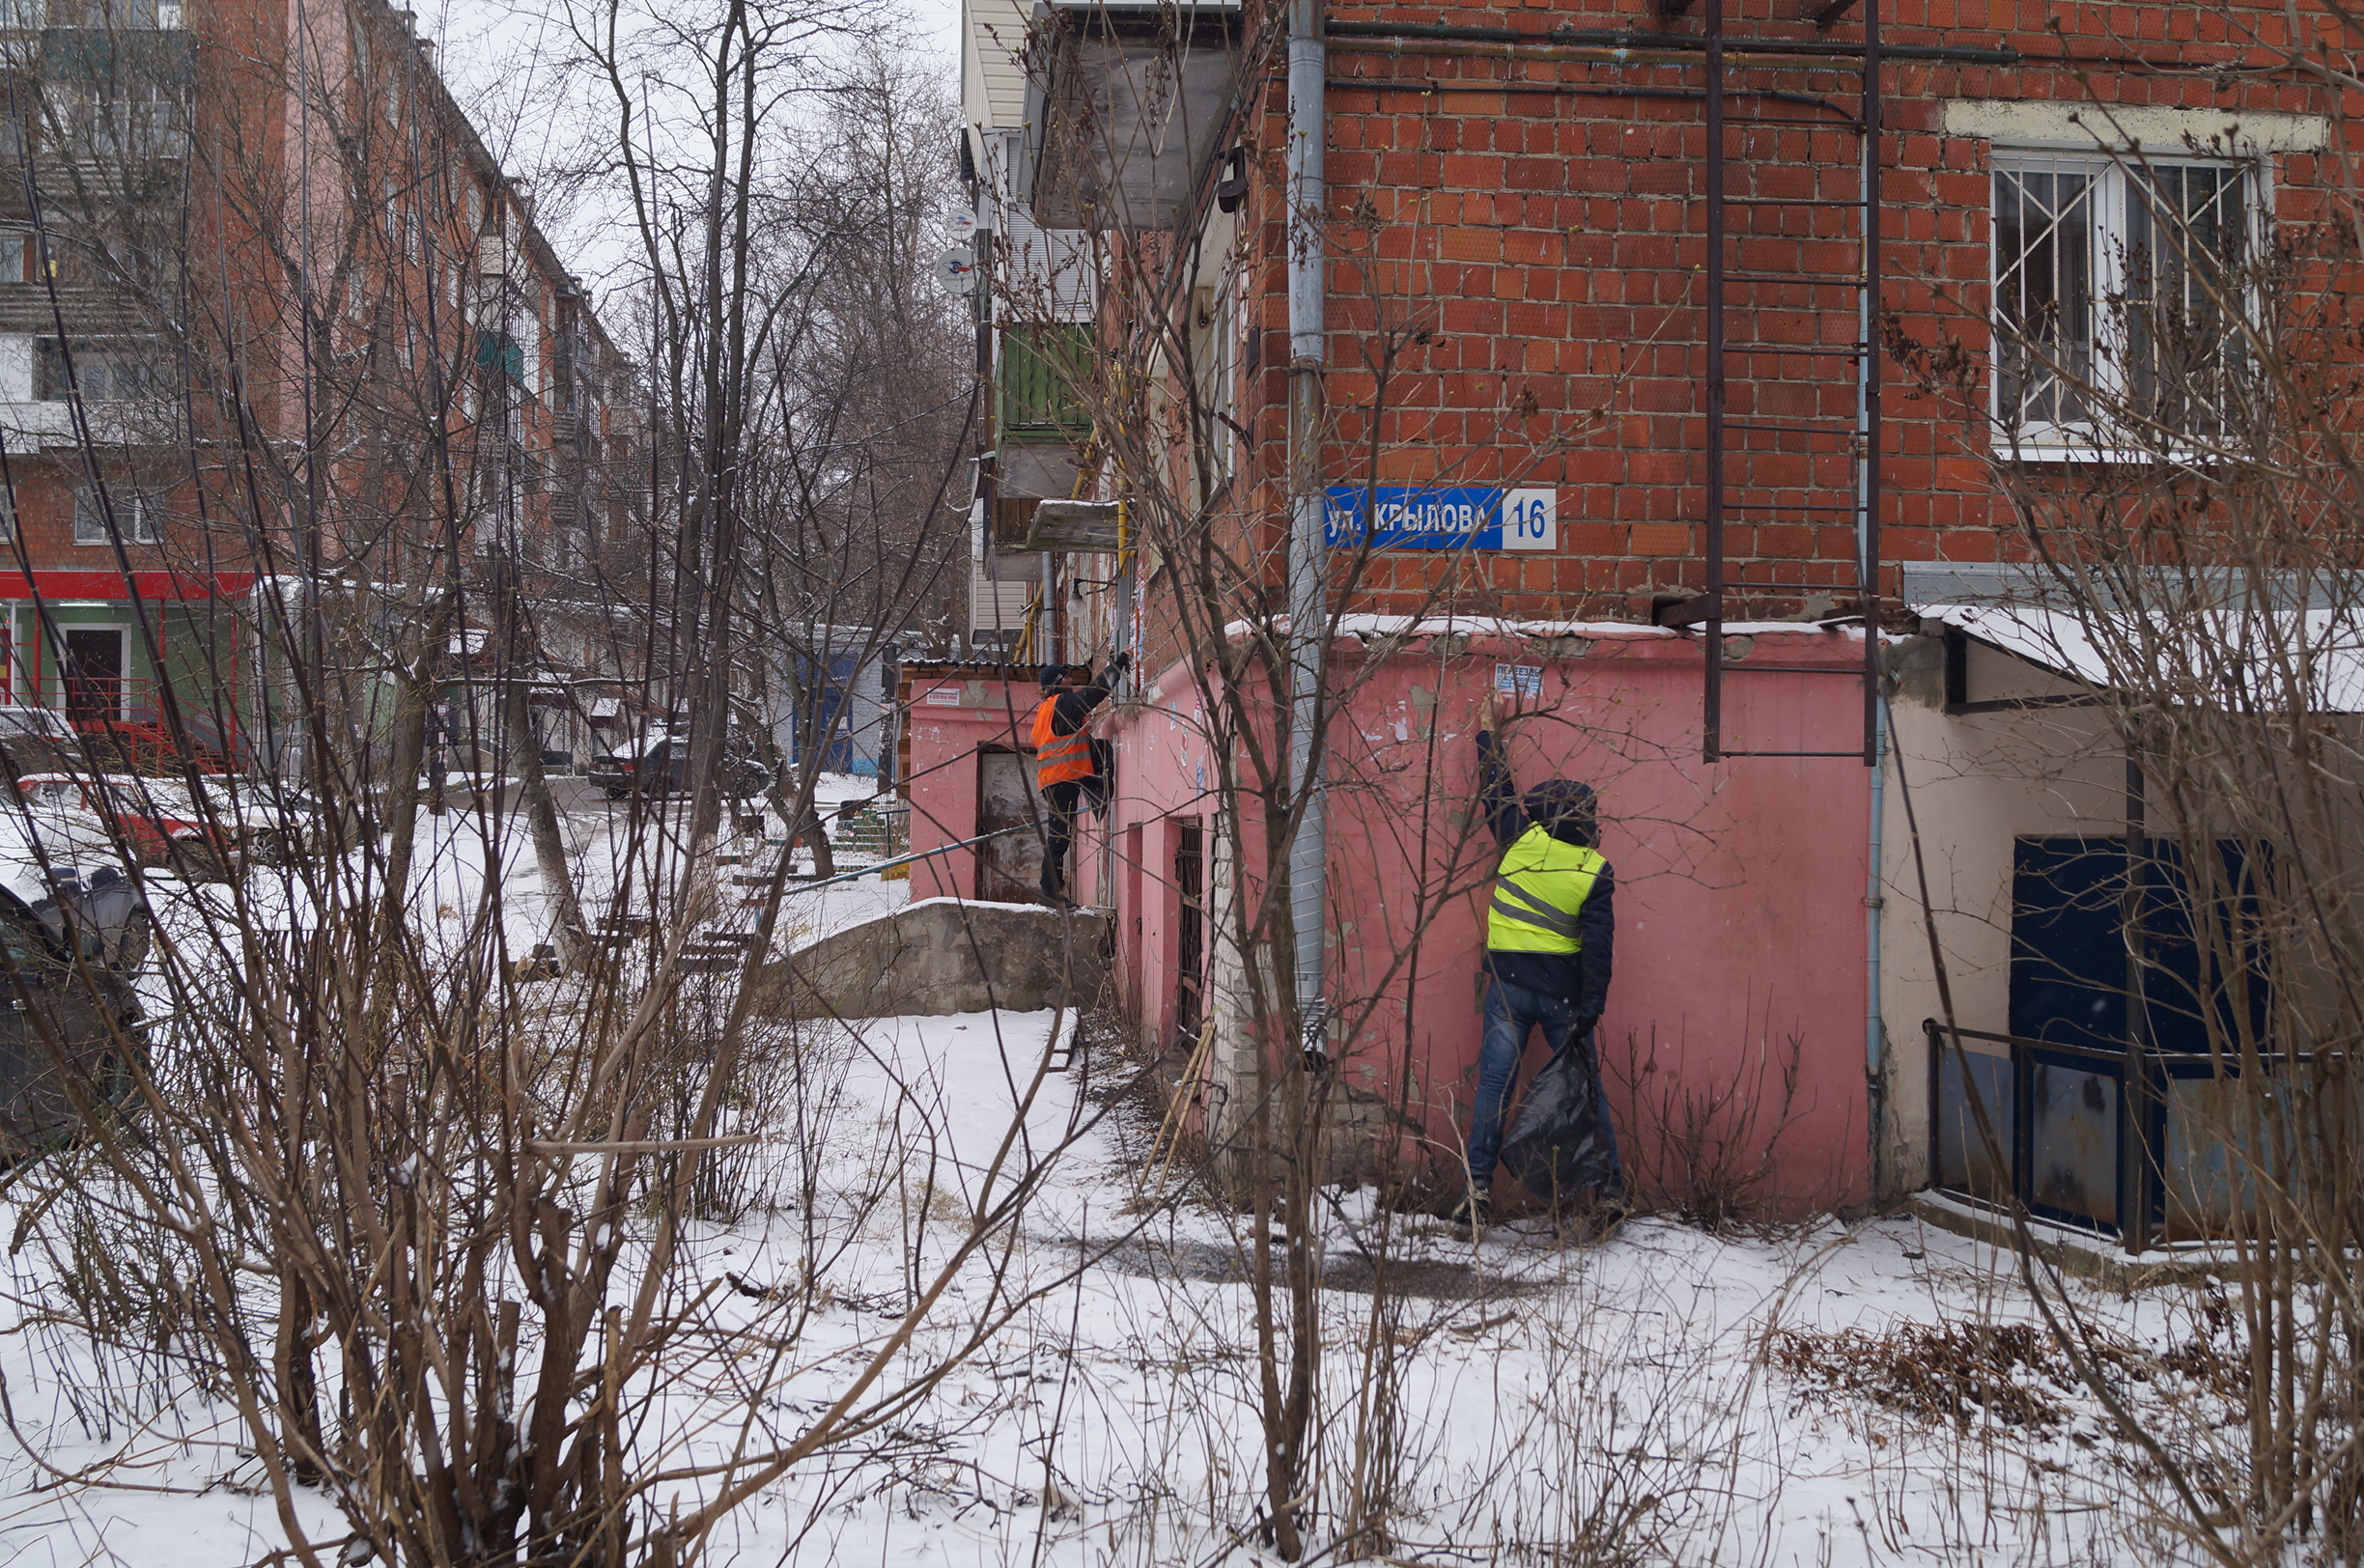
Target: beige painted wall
[(1976, 783)]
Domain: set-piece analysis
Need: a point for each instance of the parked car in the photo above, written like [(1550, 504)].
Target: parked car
[(70, 939), (658, 762), (155, 820), (275, 823)]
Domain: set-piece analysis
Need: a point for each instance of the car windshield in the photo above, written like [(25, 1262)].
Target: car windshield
[(54, 793), (21, 948)]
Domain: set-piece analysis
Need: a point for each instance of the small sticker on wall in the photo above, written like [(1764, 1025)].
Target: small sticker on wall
[(1519, 680), (942, 697)]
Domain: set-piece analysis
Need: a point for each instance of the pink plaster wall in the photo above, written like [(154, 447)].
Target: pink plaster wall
[(1735, 1035), (1735, 1030), (948, 721)]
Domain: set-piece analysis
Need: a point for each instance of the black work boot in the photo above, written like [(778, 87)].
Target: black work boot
[(1470, 1216)]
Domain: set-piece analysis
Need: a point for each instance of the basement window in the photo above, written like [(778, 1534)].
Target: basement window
[(2116, 288)]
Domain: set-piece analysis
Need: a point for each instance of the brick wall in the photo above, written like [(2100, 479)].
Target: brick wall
[(1515, 291)]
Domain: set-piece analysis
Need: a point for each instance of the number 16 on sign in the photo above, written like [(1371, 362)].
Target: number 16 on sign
[(1530, 520)]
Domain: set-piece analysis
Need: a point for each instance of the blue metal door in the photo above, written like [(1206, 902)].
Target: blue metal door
[(2083, 1108), (822, 720)]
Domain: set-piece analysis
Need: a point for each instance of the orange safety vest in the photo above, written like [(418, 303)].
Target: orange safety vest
[(1059, 758)]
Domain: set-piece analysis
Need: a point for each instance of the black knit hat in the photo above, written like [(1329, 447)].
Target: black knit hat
[(1564, 809), (1053, 675)]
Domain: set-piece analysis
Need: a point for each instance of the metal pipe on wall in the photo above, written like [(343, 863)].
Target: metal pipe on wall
[(1713, 713), (1307, 589), (1867, 577)]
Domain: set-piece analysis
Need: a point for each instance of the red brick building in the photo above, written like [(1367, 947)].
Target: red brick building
[(1682, 317), (270, 316)]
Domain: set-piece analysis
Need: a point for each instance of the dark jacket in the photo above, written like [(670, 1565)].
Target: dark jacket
[(1075, 707), (1076, 703), (1580, 977)]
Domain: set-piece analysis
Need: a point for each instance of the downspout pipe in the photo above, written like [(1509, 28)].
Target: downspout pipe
[(1867, 568), (1876, 903), (1307, 590)]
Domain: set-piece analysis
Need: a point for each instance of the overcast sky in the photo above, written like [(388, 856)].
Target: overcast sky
[(488, 52)]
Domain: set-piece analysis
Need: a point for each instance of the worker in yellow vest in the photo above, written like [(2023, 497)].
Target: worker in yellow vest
[(1065, 770), (1550, 931)]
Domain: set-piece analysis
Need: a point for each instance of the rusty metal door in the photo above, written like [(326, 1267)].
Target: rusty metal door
[(1009, 867)]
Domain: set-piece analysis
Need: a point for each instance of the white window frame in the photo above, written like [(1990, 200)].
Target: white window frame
[(2114, 175), (135, 513)]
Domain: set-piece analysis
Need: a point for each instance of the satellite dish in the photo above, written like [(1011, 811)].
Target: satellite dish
[(964, 226), (956, 269)]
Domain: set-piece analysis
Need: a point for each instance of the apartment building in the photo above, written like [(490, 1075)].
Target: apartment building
[(1674, 369), (279, 342)]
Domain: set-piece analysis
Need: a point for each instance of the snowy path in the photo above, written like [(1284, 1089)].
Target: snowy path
[(1631, 1398)]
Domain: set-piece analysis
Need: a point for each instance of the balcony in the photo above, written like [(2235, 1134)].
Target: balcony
[(1126, 104), (1044, 371), (31, 426)]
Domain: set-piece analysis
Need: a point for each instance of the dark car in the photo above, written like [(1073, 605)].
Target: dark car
[(657, 763), (70, 939)]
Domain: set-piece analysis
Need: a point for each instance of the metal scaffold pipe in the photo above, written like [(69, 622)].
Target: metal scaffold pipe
[(1307, 593)]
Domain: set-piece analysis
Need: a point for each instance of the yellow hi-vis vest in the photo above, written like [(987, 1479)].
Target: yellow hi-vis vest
[(1539, 890)]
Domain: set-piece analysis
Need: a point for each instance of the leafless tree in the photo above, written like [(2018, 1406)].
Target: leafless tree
[(2199, 567)]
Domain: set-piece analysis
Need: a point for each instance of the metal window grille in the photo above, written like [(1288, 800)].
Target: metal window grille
[(2112, 285)]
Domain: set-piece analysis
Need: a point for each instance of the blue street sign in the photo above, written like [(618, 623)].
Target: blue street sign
[(1460, 517)]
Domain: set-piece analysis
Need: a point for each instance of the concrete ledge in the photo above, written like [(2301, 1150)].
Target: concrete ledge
[(942, 956), (2071, 1252), (2119, 127)]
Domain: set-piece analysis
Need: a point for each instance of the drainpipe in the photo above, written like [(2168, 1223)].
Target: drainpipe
[(1876, 899), (1308, 599), (1866, 570)]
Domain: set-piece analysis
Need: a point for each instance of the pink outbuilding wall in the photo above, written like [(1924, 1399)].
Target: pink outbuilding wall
[(1733, 1045), (952, 714)]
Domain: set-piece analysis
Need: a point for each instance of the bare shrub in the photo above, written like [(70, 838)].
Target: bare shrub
[(1712, 1151)]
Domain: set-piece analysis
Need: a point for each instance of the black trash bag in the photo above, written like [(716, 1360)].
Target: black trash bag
[(1554, 1145)]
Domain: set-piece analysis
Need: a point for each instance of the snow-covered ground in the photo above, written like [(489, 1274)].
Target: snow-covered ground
[(1663, 1395)]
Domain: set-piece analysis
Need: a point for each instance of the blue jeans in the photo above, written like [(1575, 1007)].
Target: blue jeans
[(1511, 1012)]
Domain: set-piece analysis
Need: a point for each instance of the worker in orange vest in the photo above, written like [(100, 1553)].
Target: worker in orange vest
[(1065, 769)]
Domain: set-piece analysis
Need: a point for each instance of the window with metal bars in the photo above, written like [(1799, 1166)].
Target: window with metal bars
[(2117, 292)]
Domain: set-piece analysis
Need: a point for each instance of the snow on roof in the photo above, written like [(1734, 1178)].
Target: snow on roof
[(2236, 656)]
